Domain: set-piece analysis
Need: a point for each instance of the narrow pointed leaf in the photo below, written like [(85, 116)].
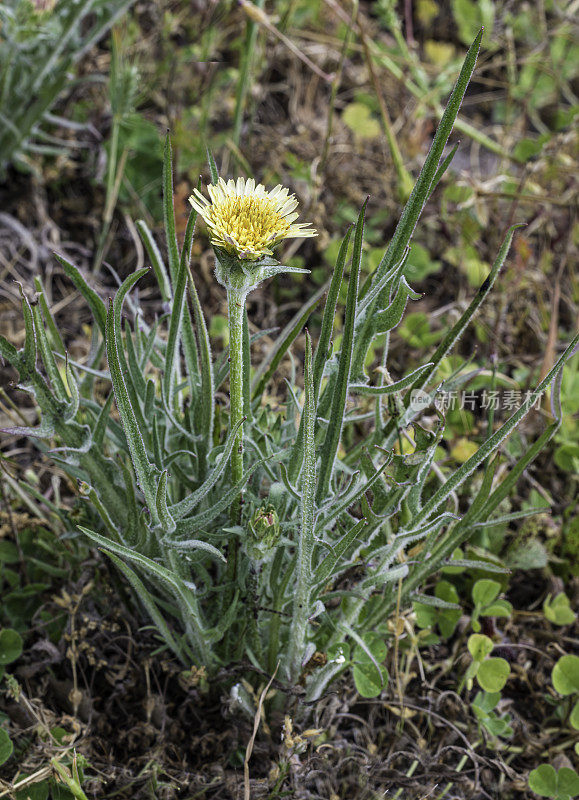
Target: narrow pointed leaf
[(391, 316), (73, 404), (338, 407), (292, 330), (328, 566), (301, 604), (201, 520), (54, 334), (186, 505), (207, 405), (156, 259), (494, 441), (323, 347), (421, 190), (95, 303), (143, 466), (390, 388), (169, 210), (47, 355), (150, 605), (29, 353), (444, 165), (165, 518), (212, 166), (197, 544)]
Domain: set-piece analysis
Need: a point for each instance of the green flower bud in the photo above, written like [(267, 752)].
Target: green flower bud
[(264, 525), (264, 532)]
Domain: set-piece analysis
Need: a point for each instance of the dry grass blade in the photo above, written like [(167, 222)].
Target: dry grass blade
[(249, 751)]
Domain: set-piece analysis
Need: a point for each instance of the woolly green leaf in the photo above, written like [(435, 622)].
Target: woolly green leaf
[(506, 518), (390, 388), (57, 343), (323, 349), (29, 349), (331, 561), (433, 602), (328, 318), (417, 200), (289, 334), (9, 352), (306, 543), (72, 406), (47, 356), (169, 210), (186, 545), (216, 634), (207, 402), (147, 600), (338, 407), (444, 165), (186, 505), (350, 498), (456, 331), (391, 316), (170, 373), (169, 578), (96, 305), (187, 330), (469, 563), (429, 171), (165, 518), (493, 442), (143, 467), (382, 576), (165, 575), (212, 167), (201, 520), (137, 377), (156, 259)]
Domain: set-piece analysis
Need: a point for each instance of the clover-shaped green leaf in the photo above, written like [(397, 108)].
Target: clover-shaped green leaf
[(479, 646), (446, 618), (484, 595), (6, 746), (370, 675), (558, 611), (492, 674), (547, 782), (369, 680), (565, 675), (10, 645)]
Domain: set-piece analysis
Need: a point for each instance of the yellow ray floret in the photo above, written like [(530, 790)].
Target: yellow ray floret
[(246, 220)]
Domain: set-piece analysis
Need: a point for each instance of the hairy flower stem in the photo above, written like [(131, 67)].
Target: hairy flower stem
[(303, 576), (236, 307)]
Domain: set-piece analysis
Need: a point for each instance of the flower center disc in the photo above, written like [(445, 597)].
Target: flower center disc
[(248, 223)]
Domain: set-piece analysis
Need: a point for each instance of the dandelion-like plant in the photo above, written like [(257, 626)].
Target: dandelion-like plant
[(246, 222), (334, 533)]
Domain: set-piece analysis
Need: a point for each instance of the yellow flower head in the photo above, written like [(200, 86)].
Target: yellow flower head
[(246, 220)]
